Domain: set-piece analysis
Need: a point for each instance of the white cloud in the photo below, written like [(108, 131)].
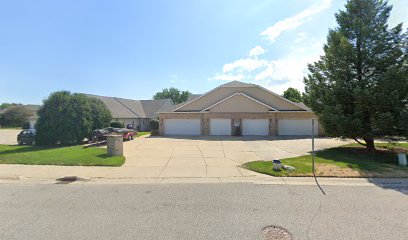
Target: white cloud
[(244, 64), (256, 51), (290, 23), (278, 74), (228, 77)]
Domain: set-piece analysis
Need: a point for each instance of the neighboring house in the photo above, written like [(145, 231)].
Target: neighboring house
[(136, 112), (256, 110)]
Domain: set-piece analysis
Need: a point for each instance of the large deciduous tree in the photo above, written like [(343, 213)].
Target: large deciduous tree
[(15, 116), (7, 105), (359, 87), (292, 94), (172, 93)]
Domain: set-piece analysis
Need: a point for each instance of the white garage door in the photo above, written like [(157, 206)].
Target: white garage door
[(220, 126), (187, 127), (255, 127), (296, 127)]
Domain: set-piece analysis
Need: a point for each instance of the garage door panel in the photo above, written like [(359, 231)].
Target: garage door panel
[(220, 126), (296, 127), (185, 127), (255, 127)]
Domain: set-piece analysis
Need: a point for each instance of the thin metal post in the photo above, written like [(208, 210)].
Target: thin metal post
[(313, 155)]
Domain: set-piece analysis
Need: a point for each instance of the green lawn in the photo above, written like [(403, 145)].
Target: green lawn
[(142, 133), (64, 156), (346, 161)]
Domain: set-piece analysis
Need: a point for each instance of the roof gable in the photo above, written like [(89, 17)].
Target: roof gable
[(239, 102), (252, 90)]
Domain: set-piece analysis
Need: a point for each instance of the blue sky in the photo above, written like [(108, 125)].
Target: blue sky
[(133, 49)]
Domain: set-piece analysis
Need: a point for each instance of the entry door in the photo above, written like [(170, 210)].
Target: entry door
[(220, 126), (255, 127)]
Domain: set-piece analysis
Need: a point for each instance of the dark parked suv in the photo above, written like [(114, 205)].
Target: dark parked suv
[(26, 137)]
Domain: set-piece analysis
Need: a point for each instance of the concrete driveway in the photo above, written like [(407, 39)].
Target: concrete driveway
[(209, 157), (9, 136)]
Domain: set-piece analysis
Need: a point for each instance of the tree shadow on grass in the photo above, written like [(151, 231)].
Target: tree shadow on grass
[(380, 167), (359, 159), (25, 149)]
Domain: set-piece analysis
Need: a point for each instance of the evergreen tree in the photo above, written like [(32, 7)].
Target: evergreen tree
[(359, 87)]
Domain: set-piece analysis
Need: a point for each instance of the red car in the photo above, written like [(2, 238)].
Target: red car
[(129, 135), (100, 134)]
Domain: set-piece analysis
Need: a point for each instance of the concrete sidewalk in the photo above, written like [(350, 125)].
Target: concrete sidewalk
[(29, 174)]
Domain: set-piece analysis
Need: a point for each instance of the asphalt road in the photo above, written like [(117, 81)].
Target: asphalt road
[(200, 211)]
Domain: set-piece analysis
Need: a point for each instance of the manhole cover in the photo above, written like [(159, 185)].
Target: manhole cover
[(276, 233)]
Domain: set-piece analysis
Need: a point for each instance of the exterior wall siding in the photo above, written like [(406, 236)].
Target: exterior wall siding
[(239, 103)]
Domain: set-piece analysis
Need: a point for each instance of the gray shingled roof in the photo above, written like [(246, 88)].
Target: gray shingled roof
[(116, 108), (153, 107), (302, 105), (238, 84), (128, 108)]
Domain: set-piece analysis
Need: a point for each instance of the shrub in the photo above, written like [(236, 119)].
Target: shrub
[(68, 118), (154, 133), (101, 116), (154, 124), (117, 124)]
